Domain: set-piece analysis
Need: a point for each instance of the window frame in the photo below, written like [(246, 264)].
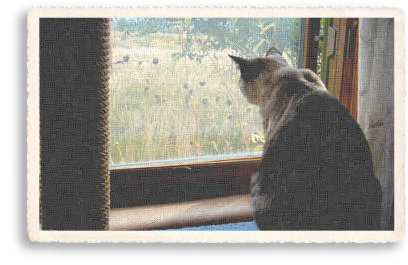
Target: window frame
[(165, 183), (183, 194)]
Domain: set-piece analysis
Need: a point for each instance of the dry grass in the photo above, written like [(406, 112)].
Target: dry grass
[(160, 111)]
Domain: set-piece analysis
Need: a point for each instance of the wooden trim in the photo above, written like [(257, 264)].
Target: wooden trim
[(343, 70), (336, 62), (324, 66), (239, 160), (310, 45), (330, 62), (354, 93), (179, 182), (349, 90), (185, 214)]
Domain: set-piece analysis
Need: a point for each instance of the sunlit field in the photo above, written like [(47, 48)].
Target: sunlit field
[(165, 107)]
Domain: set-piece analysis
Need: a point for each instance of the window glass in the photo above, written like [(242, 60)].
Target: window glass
[(174, 91)]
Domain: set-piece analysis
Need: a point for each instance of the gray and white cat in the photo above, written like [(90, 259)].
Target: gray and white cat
[(316, 171)]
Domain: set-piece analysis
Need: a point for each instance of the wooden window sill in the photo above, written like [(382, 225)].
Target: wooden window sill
[(181, 182), (176, 195), (183, 214)]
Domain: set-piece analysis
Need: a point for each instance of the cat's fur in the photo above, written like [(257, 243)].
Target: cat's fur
[(316, 171)]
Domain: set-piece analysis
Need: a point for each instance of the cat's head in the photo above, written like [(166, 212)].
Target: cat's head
[(256, 73)]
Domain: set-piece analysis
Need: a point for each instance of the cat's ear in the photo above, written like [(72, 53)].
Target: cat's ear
[(244, 67), (241, 62), (272, 51), (250, 69)]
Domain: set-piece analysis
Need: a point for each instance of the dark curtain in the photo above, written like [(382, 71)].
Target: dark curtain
[(74, 75)]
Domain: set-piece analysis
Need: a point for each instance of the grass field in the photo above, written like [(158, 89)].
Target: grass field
[(165, 108)]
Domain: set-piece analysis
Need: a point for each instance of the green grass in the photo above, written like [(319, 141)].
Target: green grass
[(160, 111)]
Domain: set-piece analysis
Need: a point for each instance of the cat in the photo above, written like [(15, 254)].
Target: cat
[(316, 171)]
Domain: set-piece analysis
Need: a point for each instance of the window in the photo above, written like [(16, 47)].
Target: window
[(174, 90)]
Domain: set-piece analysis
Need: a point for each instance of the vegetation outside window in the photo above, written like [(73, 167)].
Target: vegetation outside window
[(174, 90)]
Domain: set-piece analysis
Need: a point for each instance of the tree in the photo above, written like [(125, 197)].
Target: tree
[(248, 37)]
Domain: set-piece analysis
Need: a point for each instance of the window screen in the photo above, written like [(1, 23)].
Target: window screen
[(174, 91)]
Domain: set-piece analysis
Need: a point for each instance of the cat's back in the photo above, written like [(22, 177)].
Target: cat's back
[(327, 119), (330, 152), (331, 135)]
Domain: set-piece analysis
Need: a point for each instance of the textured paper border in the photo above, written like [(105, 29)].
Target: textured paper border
[(209, 236)]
